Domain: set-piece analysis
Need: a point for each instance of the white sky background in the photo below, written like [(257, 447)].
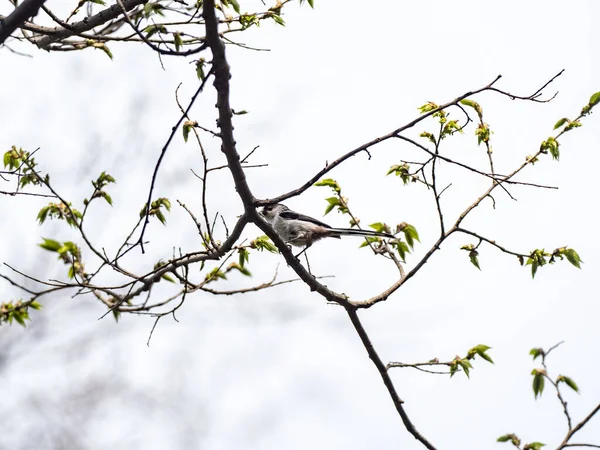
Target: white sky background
[(280, 368)]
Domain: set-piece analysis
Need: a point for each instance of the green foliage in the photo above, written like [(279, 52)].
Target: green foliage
[(540, 257), (151, 30), (462, 363), (155, 209), (23, 164), (533, 446), (550, 145), (103, 180), (427, 107), (214, 275), (513, 438), (60, 211), (339, 202), (177, 40), (568, 381), (165, 276), (310, 2), (473, 253), (69, 253), (430, 137), (401, 247), (239, 268), (17, 311), (473, 104), (330, 183), (200, 63), (450, 128), (263, 243), (535, 352), (480, 350), (402, 171), (410, 233), (152, 8), (243, 255), (539, 376), (594, 100), (483, 133)]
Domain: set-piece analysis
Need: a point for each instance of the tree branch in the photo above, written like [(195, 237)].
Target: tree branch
[(14, 20)]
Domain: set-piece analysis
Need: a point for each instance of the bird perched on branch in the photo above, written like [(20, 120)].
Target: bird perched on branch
[(302, 231)]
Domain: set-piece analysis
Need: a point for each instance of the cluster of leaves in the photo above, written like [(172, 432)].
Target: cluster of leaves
[(103, 180), (69, 253), (260, 243), (551, 144), (514, 440), (337, 201), (21, 163), (217, 273), (403, 171), (18, 311), (465, 364), (61, 211), (540, 374), (540, 257), (155, 209), (449, 127), (341, 203)]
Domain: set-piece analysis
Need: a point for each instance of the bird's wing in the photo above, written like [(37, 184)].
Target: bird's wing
[(296, 216)]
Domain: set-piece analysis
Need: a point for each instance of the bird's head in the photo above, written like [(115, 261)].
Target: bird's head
[(269, 212)]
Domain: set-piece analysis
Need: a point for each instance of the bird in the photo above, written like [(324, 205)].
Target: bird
[(302, 231)]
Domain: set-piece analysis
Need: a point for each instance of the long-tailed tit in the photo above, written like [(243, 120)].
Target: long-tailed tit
[(302, 231)]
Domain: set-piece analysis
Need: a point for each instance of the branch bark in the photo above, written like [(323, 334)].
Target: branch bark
[(24, 11)]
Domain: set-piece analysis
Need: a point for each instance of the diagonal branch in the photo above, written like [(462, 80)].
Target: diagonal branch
[(24, 11)]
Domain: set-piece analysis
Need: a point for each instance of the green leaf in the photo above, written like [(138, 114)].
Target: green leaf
[(236, 6), (429, 106), (200, 69), (106, 50), (533, 446), (466, 366), (473, 258), (243, 256), (50, 244), (561, 122), (380, 227), (427, 135), (263, 243), (551, 145), (178, 41), (187, 126), (116, 314), (568, 381), (7, 158), (595, 99), (535, 352), (168, 277), (17, 315), (474, 105), (480, 350), (330, 183), (538, 381), (411, 234), (278, 20), (35, 305), (573, 257), (369, 240)]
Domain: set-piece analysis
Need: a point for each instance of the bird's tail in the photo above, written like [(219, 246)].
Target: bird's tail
[(355, 232)]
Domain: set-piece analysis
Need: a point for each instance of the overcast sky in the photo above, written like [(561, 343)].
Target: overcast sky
[(281, 368)]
